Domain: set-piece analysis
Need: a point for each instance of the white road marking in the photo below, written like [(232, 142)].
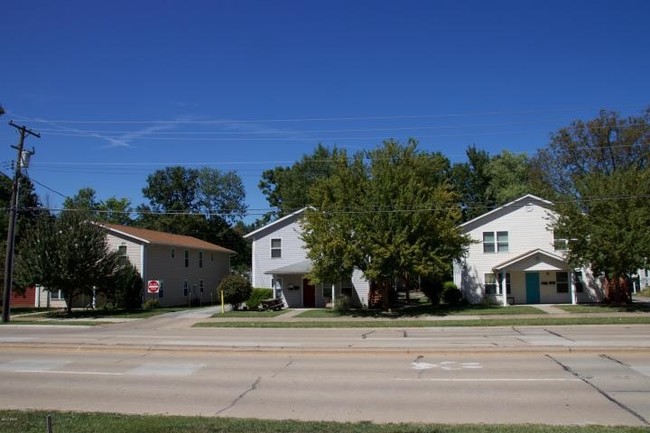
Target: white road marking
[(166, 369), (487, 380), (422, 365)]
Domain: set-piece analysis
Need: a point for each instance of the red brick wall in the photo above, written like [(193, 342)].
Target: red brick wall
[(28, 299)]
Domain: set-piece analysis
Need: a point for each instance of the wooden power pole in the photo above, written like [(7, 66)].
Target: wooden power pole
[(13, 211)]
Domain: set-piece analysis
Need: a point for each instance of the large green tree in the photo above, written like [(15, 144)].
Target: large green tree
[(598, 174), (112, 210), (485, 182), (68, 253), (389, 212), (287, 188), (204, 203)]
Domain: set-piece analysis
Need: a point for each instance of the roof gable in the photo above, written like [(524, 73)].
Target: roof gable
[(154, 237), (527, 200), (534, 260), (272, 226)]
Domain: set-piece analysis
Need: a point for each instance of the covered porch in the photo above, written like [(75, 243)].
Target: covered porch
[(291, 284), (536, 277)]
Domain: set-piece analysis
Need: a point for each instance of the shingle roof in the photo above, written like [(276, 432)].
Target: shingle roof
[(161, 238)]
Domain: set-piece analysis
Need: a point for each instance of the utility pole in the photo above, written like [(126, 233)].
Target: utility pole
[(22, 160)]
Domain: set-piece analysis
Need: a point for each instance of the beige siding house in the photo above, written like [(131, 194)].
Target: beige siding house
[(188, 268)]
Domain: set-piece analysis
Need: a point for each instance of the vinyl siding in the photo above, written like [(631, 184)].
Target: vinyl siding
[(293, 251), (158, 264), (528, 227)]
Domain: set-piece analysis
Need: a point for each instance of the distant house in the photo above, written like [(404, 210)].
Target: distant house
[(280, 262), (515, 258), (188, 268)]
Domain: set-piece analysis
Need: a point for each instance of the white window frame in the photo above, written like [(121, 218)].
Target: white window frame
[(276, 248), (493, 243)]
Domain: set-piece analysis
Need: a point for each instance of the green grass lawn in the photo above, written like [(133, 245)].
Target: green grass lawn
[(605, 308), (422, 323), (248, 314), (70, 422), (423, 310)]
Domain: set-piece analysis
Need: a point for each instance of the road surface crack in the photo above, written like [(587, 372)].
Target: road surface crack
[(599, 390), (240, 396), (284, 367), (559, 335), (364, 336)]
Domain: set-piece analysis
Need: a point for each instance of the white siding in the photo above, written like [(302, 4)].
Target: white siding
[(528, 226), (293, 251)]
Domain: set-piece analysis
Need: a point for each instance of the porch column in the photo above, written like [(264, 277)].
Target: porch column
[(572, 285), (333, 294), (504, 289)]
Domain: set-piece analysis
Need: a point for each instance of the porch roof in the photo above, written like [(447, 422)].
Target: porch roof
[(301, 268), (533, 260)]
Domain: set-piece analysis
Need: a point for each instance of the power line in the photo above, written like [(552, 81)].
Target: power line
[(319, 119)]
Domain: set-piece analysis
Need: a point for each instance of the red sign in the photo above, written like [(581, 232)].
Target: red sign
[(153, 286)]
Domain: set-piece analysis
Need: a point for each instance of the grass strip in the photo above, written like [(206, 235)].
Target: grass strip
[(323, 313), (405, 323), (75, 422), (248, 314)]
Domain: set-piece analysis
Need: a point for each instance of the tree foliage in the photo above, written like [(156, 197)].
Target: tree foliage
[(598, 174), (112, 210), (287, 188), (203, 203), (67, 253), (236, 290), (485, 182), (389, 212)]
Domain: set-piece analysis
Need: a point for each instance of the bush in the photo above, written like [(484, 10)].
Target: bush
[(151, 304), (342, 304), (451, 294), (236, 289), (257, 296)]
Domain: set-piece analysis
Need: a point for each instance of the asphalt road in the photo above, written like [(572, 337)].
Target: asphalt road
[(553, 375)]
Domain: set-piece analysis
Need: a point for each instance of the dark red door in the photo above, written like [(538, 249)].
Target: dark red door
[(308, 294)]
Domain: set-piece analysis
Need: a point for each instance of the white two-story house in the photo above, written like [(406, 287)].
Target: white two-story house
[(280, 262), (515, 258)]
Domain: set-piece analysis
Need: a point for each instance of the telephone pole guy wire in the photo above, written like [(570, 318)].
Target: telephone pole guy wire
[(21, 161)]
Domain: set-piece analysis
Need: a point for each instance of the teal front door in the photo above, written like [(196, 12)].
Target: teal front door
[(532, 288)]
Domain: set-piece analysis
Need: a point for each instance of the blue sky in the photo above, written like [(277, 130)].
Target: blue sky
[(119, 89)]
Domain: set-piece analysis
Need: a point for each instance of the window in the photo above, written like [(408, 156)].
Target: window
[(508, 286), (173, 253), (185, 286), (200, 259), (490, 284), (276, 284), (327, 290), (495, 242), (562, 282), (121, 250), (560, 244), (276, 248), (579, 281), (201, 286), (187, 259), (57, 294)]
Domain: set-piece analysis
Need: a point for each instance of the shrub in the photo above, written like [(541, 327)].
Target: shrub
[(151, 304), (236, 289), (451, 294), (257, 296), (342, 304)]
